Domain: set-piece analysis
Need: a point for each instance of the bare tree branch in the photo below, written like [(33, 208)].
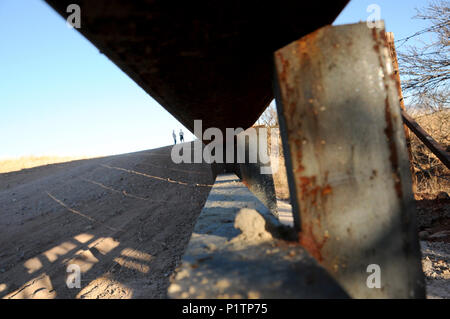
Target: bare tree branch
[(269, 118), (426, 67)]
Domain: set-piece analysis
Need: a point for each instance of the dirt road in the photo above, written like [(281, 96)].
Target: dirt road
[(124, 220)]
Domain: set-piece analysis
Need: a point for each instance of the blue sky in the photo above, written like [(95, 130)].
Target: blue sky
[(60, 96)]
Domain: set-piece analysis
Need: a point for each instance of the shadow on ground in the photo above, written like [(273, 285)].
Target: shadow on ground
[(124, 220)]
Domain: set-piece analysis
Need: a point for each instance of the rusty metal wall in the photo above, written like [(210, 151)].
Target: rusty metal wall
[(346, 158)]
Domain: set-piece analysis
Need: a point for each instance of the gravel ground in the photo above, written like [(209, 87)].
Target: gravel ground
[(434, 231), (436, 267)]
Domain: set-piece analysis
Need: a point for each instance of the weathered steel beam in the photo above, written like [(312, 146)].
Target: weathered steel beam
[(394, 59), (347, 162), (409, 123), (259, 183), (252, 168), (205, 59)]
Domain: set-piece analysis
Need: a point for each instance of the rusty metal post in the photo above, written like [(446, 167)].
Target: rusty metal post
[(261, 185), (394, 59), (250, 172), (409, 123), (347, 160)]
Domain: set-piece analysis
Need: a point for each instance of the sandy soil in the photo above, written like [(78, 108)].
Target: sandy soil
[(125, 220)]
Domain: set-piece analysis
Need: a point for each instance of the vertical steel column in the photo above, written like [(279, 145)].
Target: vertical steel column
[(347, 161), (396, 71), (261, 185)]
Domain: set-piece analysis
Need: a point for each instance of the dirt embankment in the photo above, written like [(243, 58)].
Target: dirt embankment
[(125, 220)]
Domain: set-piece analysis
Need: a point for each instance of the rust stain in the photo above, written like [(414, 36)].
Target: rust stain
[(396, 79), (309, 189), (327, 190), (299, 155), (307, 185), (306, 46), (286, 90), (393, 157), (384, 38), (300, 168), (374, 34), (308, 240), (389, 130), (284, 66)]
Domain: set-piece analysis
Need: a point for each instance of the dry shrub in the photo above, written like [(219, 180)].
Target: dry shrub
[(24, 162), (431, 176)]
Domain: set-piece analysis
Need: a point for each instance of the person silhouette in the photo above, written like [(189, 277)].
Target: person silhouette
[(181, 136), (174, 137)]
